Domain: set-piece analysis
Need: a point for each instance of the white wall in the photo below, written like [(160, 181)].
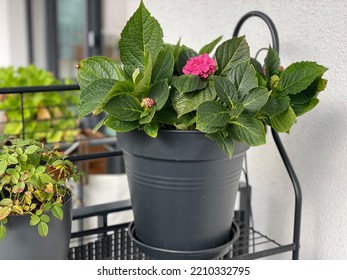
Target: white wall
[(317, 145), (13, 33), (4, 45)]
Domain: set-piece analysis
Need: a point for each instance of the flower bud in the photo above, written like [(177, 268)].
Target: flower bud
[(274, 80), (147, 103)]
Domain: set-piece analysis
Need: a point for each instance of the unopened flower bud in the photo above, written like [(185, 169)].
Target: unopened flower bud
[(274, 81), (147, 102)]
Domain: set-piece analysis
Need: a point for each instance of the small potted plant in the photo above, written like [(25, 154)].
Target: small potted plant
[(35, 201), (184, 120)]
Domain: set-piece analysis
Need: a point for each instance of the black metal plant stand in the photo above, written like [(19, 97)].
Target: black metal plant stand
[(113, 242)]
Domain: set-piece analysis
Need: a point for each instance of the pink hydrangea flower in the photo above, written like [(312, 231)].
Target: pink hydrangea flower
[(201, 65), (147, 102)]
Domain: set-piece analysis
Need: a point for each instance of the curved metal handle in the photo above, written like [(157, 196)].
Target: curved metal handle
[(268, 21), (277, 139)]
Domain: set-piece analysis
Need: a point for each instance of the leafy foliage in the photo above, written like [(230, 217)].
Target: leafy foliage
[(33, 181), (234, 103), (49, 117)]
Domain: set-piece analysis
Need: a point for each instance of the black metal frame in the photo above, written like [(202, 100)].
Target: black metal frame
[(282, 151), (245, 248), (115, 236)]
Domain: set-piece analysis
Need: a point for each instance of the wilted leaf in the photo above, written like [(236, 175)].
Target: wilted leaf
[(6, 202), (4, 212), (18, 209)]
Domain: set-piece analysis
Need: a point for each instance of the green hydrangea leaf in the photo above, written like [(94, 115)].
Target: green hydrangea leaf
[(188, 102), (98, 68), (284, 121), (167, 115), (272, 63), (249, 131), (159, 92), (208, 48), (231, 53), (142, 87), (147, 116), (226, 90), (92, 96), (226, 144), (211, 116), (120, 87), (256, 99), (306, 95), (120, 126), (141, 34), (188, 83), (301, 109), (184, 56), (163, 66), (236, 111), (276, 105), (244, 78), (124, 107), (257, 66), (151, 129), (298, 76), (186, 121)]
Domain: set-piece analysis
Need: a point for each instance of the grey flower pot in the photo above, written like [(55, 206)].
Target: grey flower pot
[(22, 241), (183, 188)]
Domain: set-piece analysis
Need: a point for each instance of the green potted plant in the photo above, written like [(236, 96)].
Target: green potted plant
[(49, 117), (184, 120), (35, 201)]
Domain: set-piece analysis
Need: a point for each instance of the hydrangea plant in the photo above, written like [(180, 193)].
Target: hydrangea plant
[(229, 96)]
